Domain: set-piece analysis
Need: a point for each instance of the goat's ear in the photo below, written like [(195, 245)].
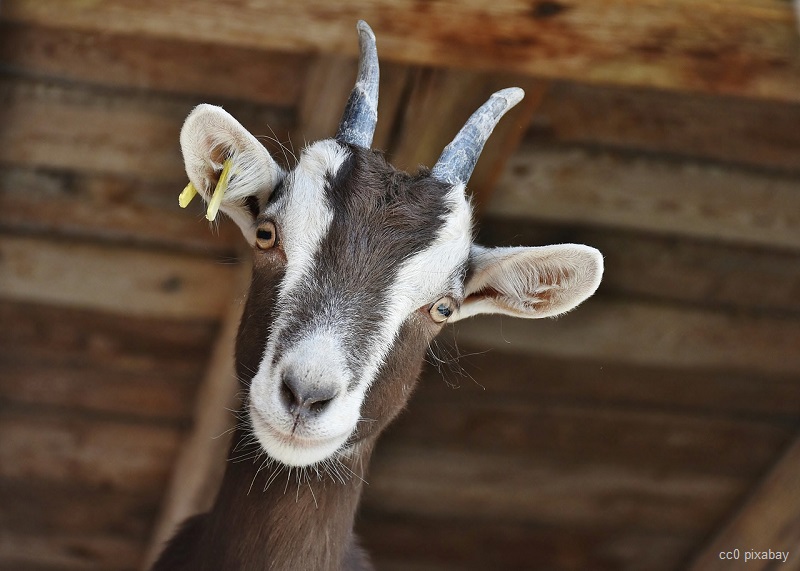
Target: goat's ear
[(211, 136), (530, 282)]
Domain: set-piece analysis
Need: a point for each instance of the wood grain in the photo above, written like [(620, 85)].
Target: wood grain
[(577, 433), (31, 505), (648, 334), (402, 542), (472, 372), (684, 198), (108, 208), (159, 395), (682, 124), (115, 279), (157, 64), (72, 337), (748, 48), (767, 521), (61, 447), (78, 127), (647, 266), (441, 482), (99, 552), (438, 104)]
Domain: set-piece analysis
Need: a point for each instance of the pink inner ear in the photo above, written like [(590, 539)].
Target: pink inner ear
[(534, 302)]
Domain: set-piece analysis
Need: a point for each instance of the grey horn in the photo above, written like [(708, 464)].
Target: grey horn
[(361, 113), (458, 159)]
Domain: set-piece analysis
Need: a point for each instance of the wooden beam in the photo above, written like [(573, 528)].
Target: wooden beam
[(109, 208), (72, 526), (112, 278), (69, 336), (329, 80), (58, 447), (684, 198), (523, 426), (159, 396), (328, 84), (659, 44), (31, 505), (200, 465), (440, 102), (603, 382), (441, 482), (158, 64), (407, 542), (650, 266), (133, 134), (728, 129), (768, 521), (648, 334), (40, 551)]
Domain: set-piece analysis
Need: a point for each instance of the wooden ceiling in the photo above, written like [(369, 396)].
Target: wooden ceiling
[(651, 429)]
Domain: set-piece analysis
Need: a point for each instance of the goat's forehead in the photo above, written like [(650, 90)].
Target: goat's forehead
[(346, 206)]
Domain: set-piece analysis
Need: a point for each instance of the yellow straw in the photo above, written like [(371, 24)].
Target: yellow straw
[(222, 185), (187, 195)]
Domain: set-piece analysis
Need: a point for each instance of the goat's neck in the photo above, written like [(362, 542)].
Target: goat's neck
[(289, 519)]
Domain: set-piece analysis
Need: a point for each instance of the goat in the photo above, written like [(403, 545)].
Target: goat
[(357, 267)]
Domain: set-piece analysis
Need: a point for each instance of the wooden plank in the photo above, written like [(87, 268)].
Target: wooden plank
[(108, 208), (571, 434), (125, 456), (654, 267), (431, 481), (72, 526), (115, 279), (648, 334), (328, 84), (470, 544), (30, 506), (75, 127), (747, 48), (440, 102), (70, 337), (160, 64), (199, 468), (470, 373), (769, 520), (727, 129), (161, 395), (683, 198), (67, 551), (330, 79)]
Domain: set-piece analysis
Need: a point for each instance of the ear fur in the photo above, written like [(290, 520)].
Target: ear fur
[(209, 136), (535, 282)]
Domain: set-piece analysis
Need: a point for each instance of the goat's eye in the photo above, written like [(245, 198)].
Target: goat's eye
[(442, 309), (266, 236)]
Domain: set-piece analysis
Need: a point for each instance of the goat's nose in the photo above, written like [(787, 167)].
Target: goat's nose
[(303, 400)]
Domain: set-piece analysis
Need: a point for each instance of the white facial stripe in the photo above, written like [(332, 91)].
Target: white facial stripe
[(423, 278), (306, 215)]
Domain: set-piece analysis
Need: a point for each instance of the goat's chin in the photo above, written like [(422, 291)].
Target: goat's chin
[(294, 450)]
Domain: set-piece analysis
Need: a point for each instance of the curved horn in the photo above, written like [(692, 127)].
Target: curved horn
[(458, 159), (361, 112)]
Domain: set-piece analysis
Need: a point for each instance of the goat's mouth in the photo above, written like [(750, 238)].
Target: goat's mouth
[(294, 448)]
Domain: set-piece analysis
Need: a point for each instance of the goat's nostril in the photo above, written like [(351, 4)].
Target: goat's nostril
[(289, 395), (304, 400), (319, 405)]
